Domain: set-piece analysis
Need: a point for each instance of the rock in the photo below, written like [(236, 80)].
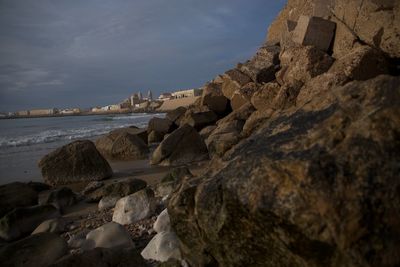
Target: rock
[(199, 120), (37, 250), (110, 235), (155, 137), (214, 99), (255, 120), (76, 162), (205, 132), (103, 257), (240, 114), (264, 98), (171, 180), (78, 240), (162, 223), (292, 12), (176, 115), (375, 23), (301, 64), (287, 95), (233, 80), (108, 202), (118, 189), (314, 31), (38, 186), (162, 247), (171, 263), (135, 207), (243, 95), (262, 67), (60, 198), (183, 146), (57, 226), (159, 125), (14, 195), (92, 186), (316, 185), (224, 137), (123, 145), (362, 63), (22, 221)]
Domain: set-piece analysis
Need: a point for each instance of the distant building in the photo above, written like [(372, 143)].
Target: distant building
[(187, 93), (140, 95), (149, 95), (97, 109), (70, 111), (142, 105), (115, 107), (165, 96), (22, 113), (43, 112)]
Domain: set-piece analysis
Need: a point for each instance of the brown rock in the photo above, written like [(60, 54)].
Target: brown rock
[(182, 146), (117, 188), (278, 199), (176, 115), (243, 113), (123, 145), (205, 132), (243, 95), (76, 162), (160, 125), (233, 80), (302, 63), (199, 120), (214, 99), (263, 98), (155, 137)]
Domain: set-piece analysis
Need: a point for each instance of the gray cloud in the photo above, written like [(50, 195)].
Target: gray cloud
[(94, 52)]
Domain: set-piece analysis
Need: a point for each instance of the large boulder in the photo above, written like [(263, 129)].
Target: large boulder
[(135, 207), (243, 95), (301, 64), (176, 115), (171, 180), (162, 247), (375, 23), (199, 120), (183, 146), (22, 221), (78, 161), (214, 98), (37, 250), (264, 97), (160, 125), (232, 81), (123, 145), (14, 195), (262, 67), (155, 137), (110, 235), (316, 185), (117, 189), (103, 257)]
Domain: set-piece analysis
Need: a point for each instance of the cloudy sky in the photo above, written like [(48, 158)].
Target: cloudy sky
[(67, 53)]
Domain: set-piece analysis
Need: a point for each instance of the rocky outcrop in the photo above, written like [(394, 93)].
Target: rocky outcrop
[(243, 95), (184, 145), (14, 195), (76, 162), (214, 99), (232, 81), (36, 250), (22, 221), (316, 185), (128, 144), (135, 207)]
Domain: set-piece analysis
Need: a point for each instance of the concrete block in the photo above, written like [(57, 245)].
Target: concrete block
[(314, 31)]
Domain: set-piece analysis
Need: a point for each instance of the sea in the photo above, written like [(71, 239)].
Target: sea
[(23, 142)]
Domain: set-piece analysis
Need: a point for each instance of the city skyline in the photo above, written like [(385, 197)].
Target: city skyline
[(70, 53)]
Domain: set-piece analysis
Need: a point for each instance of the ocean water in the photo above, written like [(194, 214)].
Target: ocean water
[(23, 142)]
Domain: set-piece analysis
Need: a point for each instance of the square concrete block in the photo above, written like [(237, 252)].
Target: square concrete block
[(314, 31)]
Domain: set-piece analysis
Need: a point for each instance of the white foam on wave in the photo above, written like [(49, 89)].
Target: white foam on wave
[(50, 136)]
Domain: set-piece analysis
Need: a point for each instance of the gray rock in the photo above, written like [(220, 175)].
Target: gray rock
[(163, 247), (37, 250), (108, 202), (135, 207), (110, 235), (162, 224)]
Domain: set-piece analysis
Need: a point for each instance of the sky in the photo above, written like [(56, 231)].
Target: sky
[(74, 53)]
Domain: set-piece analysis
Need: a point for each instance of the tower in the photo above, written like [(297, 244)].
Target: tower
[(140, 95), (150, 95)]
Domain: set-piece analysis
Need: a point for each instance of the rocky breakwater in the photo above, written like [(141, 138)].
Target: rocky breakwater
[(308, 174)]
